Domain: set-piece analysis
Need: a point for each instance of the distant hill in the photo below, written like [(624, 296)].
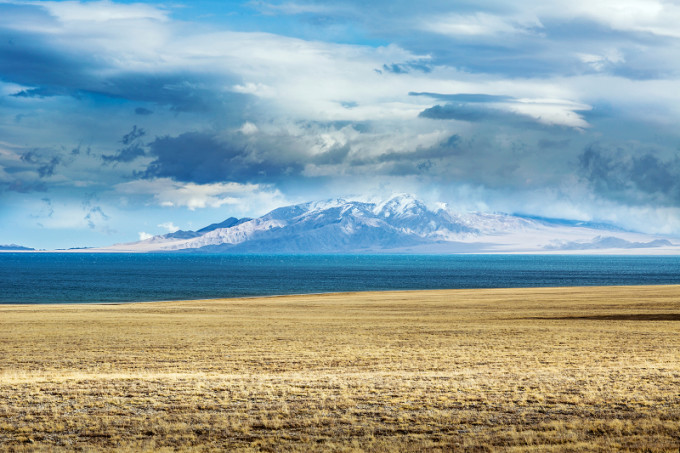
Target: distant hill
[(14, 248), (400, 224)]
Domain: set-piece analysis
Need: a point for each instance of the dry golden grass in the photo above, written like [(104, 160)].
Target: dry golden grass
[(564, 369)]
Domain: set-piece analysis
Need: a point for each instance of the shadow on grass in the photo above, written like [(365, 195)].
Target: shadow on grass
[(622, 317)]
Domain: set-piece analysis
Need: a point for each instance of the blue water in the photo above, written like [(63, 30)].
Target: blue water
[(83, 278)]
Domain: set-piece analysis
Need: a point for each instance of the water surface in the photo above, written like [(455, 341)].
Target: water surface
[(89, 277)]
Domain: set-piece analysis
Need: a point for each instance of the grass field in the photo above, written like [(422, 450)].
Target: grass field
[(563, 369)]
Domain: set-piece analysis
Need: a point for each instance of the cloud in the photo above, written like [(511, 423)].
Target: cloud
[(247, 154), (47, 169), (171, 227), (600, 62), (133, 136), (144, 236), (45, 166), (463, 112), (293, 8), (46, 210), (119, 60), (507, 110), (102, 11), (631, 176), (95, 214), (127, 154), (134, 147), (248, 128), (466, 97), (22, 186), (656, 17), (137, 54), (254, 111), (169, 193), (405, 68), (482, 24), (205, 158)]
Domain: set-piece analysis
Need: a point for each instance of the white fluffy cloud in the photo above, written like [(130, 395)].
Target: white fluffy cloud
[(301, 79), (171, 227), (166, 192), (101, 11), (657, 17)]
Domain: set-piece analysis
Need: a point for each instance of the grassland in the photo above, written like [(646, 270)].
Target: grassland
[(564, 369)]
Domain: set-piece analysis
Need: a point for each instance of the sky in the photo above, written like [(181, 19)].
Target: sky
[(120, 120)]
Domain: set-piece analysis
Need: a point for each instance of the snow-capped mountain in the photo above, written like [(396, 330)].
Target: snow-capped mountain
[(401, 224)]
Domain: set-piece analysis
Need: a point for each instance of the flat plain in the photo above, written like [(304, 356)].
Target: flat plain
[(549, 369)]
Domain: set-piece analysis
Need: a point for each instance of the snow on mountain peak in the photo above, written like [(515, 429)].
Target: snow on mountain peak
[(400, 205), (400, 223)]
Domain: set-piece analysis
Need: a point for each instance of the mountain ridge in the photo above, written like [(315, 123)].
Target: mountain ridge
[(15, 248), (399, 224)]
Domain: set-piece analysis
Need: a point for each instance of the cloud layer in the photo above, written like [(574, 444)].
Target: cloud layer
[(561, 108)]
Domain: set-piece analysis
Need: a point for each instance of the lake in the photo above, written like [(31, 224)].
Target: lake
[(89, 277)]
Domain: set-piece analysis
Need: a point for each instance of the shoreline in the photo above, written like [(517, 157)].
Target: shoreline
[(351, 294)]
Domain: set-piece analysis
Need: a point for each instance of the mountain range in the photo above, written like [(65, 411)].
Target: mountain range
[(15, 248), (400, 224)]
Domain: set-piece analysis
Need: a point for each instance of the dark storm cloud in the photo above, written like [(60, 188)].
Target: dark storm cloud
[(202, 157), (520, 160), (205, 157), (632, 177), (30, 60)]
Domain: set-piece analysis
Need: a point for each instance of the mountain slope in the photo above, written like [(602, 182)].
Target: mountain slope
[(401, 224), (15, 248)]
